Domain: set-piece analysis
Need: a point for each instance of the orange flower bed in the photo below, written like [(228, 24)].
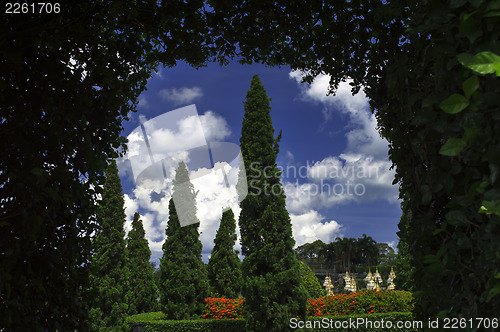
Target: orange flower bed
[(363, 302), (222, 308)]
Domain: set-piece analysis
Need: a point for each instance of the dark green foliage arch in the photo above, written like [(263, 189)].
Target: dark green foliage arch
[(428, 68), (67, 81)]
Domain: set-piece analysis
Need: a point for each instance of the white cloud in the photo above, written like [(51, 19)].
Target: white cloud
[(213, 196), (172, 137), (362, 172), (343, 101), (182, 95), (180, 130), (131, 207), (143, 102), (214, 126), (309, 227), (158, 72), (393, 245)]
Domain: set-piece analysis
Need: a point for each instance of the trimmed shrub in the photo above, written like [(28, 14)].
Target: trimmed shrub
[(145, 317), (369, 323), (377, 322), (310, 281), (198, 325)]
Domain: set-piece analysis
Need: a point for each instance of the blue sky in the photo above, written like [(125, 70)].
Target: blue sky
[(336, 169)]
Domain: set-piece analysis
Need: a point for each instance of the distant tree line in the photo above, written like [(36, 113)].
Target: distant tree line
[(348, 253)]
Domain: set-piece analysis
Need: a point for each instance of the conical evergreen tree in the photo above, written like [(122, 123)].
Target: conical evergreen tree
[(224, 272), (108, 271), (142, 293), (272, 284), (183, 279)]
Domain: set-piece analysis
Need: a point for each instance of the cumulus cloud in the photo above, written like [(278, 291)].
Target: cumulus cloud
[(172, 137), (361, 173), (213, 196), (154, 150), (214, 127), (309, 227), (180, 96), (393, 245), (343, 101), (143, 102), (158, 73)]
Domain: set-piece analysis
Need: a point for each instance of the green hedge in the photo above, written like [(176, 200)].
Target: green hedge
[(368, 322), (153, 322), (145, 317), (200, 325)]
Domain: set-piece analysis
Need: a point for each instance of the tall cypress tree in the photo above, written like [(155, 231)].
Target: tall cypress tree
[(142, 293), (108, 271), (183, 280), (224, 272), (272, 284)]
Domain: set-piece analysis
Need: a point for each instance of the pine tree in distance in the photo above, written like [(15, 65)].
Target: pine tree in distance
[(272, 284), (142, 292), (224, 272), (183, 276), (108, 270)]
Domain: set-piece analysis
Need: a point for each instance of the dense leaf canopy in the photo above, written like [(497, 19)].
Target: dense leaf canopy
[(67, 81)]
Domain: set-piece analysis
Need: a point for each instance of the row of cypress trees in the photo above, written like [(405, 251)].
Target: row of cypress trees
[(270, 277), (121, 279)]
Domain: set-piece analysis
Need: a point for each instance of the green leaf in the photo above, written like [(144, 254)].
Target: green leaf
[(497, 68), (430, 100), (452, 147), (454, 104), (495, 291), (470, 86), (490, 207), (471, 132), (456, 218), (481, 63), (469, 29), (493, 14)]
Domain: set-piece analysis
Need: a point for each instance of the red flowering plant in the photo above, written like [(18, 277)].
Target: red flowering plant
[(222, 308), (365, 301)]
